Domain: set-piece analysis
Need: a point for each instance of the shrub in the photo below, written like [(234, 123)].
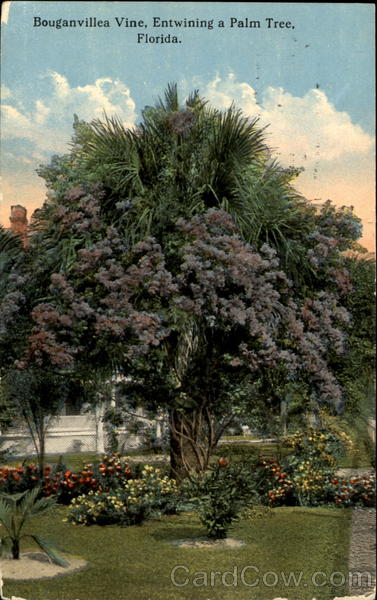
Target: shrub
[(275, 487), (129, 504), (307, 477), (220, 494), (64, 483), (313, 462), (111, 473), (101, 508), (18, 479), (354, 491), (162, 491)]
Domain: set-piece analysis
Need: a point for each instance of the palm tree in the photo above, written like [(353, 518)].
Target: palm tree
[(182, 160), (177, 162), (16, 510)]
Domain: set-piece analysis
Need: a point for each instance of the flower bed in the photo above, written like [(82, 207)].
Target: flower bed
[(64, 483), (129, 503)]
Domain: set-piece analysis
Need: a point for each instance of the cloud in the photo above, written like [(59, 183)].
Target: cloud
[(31, 136), (308, 131), (49, 122), (306, 128)]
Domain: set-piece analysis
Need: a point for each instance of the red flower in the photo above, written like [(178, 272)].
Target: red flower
[(222, 462)]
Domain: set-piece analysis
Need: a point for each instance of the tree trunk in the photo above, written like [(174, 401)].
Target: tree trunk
[(41, 450), (191, 442), (16, 549)]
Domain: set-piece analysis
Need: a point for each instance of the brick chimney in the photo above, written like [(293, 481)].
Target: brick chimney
[(18, 222)]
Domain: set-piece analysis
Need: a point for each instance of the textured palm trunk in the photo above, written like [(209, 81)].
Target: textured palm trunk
[(192, 440)]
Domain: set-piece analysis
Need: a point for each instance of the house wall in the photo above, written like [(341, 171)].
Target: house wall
[(67, 434)]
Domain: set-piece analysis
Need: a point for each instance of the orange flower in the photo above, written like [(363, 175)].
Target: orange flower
[(222, 462)]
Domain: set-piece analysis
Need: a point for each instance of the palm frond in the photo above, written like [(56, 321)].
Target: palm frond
[(10, 242), (6, 515), (171, 103), (32, 506), (50, 551), (5, 547)]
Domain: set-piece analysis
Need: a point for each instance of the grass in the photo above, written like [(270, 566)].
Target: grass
[(136, 562)]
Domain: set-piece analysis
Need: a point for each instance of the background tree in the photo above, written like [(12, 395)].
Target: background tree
[(36, 397), (31, 397)]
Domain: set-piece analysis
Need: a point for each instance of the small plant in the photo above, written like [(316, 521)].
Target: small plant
[(221, 494), (16, 510)]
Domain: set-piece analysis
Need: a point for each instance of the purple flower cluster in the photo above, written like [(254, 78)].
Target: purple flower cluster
[(129, 299)]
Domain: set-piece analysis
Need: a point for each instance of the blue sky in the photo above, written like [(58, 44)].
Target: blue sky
[(312, 83)]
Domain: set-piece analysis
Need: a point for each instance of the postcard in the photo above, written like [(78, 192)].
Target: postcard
[(292, 83)]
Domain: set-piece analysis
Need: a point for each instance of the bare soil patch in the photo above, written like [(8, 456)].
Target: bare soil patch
[(226, 544), (37, 565)]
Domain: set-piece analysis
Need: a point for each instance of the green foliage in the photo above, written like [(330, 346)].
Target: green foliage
[(220, 495), (356, 369), (306, 474), (16, 510), (352, 491), (11, 250), (177, 162), (127, 504), (35, 395), (313, 462)]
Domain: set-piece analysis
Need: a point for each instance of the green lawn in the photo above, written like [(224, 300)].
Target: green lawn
[(136, 562)]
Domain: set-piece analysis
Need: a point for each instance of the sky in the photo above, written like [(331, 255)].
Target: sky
[(306, 70)]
